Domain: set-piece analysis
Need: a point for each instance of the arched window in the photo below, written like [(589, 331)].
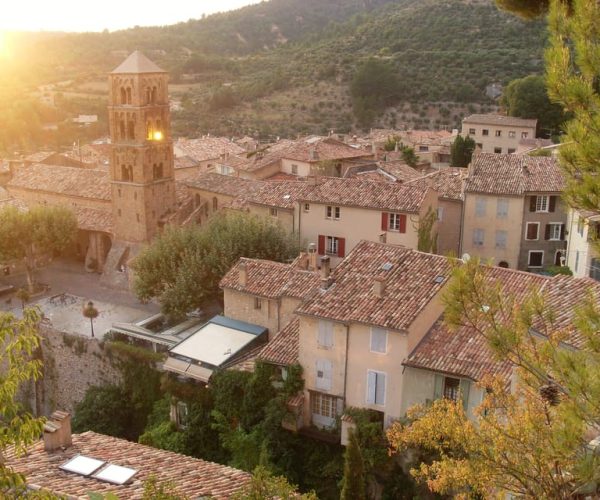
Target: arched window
[(154, 95), (148, 95), (126, 173), (215, 204), (128, 95), (123, 96), (122, 129), (131, 130)]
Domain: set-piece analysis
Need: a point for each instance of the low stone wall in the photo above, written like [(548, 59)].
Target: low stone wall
[(72, 364)]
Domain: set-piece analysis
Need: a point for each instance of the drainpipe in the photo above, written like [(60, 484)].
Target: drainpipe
[(346, 361)]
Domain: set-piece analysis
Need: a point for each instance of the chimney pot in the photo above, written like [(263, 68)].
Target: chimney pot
[(57, 431), (379, 287), (243, 270), (325, 267)]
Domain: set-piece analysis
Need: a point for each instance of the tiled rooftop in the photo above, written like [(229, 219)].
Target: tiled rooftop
[(500, 120), (283, 349), (505, 174), (206, 148), (270, 279), (399, 169), (68, 181), (192, 477), (410, 284), (465, 352), (448, 182), (223, 184), (368, 194)]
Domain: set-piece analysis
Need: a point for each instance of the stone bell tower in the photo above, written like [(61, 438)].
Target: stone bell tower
[(141, 168)]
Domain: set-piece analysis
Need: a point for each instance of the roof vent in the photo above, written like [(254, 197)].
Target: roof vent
[(439, 279), (387, 266)]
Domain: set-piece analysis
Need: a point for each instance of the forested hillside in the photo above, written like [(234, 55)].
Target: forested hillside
[(286, 66)]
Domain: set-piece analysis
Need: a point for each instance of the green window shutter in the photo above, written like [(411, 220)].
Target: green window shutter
[(438, 386), (465, 387)]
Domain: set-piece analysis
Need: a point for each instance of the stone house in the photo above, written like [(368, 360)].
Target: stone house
[(513, 215), (498, 133), (203, 154)]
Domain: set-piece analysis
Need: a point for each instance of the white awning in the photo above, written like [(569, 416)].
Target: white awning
[(187, 369)]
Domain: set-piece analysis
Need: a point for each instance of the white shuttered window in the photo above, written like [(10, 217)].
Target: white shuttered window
[(378, 340), (325, 334), (324, 370)]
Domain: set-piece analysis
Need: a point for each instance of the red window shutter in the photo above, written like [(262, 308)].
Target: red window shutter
[(402, 223), (341, 247), (384, 221), (547, 232), (552, 203), (321, 247), (562, 231), (532, 203)]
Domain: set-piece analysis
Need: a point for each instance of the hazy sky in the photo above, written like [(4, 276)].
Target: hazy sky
[(86, 15)]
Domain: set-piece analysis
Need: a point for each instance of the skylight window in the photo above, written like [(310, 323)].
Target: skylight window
[(82, 465), (387, 266), (115, 474)]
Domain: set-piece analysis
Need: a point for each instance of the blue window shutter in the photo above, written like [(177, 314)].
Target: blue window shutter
[(380, 389), (371, 382), (438, 386)]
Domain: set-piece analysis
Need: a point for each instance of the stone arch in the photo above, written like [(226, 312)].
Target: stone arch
[(503, 264)]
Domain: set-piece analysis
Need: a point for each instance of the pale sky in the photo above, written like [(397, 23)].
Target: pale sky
[(86, 15)]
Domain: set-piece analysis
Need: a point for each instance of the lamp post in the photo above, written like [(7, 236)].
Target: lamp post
[(89, 311)]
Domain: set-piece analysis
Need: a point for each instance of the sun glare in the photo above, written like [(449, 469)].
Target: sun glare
[(4, 49)]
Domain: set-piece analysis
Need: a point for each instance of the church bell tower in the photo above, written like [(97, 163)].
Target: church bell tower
[(141, 168)]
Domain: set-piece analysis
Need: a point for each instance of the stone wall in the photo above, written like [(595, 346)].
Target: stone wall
[(72, 364)]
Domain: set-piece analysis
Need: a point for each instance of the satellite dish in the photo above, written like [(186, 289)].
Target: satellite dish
[(465, 257)]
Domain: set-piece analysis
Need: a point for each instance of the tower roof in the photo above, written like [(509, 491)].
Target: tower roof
[(137, 63)]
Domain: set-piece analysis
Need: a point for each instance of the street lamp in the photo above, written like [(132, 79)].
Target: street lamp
[(89, 311)]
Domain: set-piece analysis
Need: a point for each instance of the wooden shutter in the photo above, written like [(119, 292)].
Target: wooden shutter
[(465, 387), (371, 383), (402, 223), (378, 340), (547, 232), (325, 333), (321, 246), (552, 204), (341, 247), (532, 202), (438, 386), (384, 221), (562, 231), (323, 375)]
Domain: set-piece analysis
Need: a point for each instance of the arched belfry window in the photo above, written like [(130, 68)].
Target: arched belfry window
[(154, 95), (131, 130), (148, 95), (123, 96), (128, 95), (122, 129)]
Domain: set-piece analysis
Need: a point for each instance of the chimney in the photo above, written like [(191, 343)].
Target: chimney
[(303, 260), (243, 278), (325, 267), (383, 238), (312, 257), (379, 287), (57, 431)]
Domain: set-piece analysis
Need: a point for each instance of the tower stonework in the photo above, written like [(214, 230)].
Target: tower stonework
[(141, 167)]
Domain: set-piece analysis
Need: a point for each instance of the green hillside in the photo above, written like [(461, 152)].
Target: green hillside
[(285, 66)]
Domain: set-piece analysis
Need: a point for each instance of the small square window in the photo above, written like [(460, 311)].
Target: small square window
[(295, 169), (307, 207), (511, 151), (257, 303), (471, 131), (512, 134), (273, 212), (485, 132), (451, 388), (498, 133), (497, 150), (337, 213), (524, 135)]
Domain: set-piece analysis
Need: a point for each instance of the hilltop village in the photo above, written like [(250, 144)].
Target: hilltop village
[(351, 325)]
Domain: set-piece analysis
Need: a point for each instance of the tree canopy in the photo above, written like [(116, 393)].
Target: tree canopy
[(461, 151), (182, 268), (39, 232), (19, 340), (528, 98)]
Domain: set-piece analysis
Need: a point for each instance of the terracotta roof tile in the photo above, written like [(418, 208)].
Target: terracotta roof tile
[(500, 120), (283, 349), (505, 174), (69, 181), (270, 279), (448, 182), (316, 149), (410, 284), (223, 184), (399, 169), (192, 477)]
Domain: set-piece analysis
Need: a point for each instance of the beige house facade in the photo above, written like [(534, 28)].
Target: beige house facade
[(498, 133), (582, 254)]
